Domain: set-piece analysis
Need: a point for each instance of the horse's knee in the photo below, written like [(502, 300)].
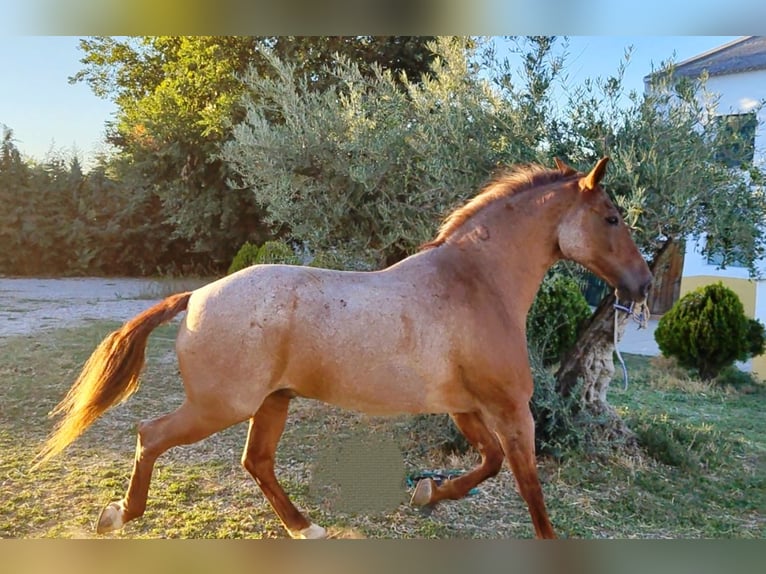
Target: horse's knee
[(146, 445), (249, 464), (144, 431), (258, 466), (493, 461)]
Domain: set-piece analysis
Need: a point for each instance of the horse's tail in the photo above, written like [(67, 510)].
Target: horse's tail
[(109, 376)]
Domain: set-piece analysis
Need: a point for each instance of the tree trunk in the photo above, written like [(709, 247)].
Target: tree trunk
[(591, 358)]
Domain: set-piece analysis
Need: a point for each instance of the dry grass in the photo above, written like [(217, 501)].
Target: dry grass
[(666, 375), (201, 491)]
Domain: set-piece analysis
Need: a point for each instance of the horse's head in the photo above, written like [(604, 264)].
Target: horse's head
[(593, 233)]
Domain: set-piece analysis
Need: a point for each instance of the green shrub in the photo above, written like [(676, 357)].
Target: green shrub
[(556, 318), (326, 260), (707, 330), (340, 260), (756, 338), (269, 252), (245, 257), (558, 426), (276, 252)]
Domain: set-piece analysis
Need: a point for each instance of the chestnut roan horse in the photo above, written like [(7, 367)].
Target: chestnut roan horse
[(442, 331)]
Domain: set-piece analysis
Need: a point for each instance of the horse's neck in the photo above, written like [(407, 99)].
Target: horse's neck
[(514, 244)]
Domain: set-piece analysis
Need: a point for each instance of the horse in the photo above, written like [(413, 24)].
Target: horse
[(441, 331)]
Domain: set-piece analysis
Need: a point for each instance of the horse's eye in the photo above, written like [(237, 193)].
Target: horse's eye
[(612, 220)]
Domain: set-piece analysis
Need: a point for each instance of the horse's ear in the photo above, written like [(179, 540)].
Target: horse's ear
[(564, 168), (591, 180)]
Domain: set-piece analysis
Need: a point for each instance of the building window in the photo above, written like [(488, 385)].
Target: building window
[(736, 134)]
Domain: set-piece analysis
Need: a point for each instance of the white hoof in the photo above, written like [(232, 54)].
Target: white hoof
[(423, 492), (312, 532), (111, 518)]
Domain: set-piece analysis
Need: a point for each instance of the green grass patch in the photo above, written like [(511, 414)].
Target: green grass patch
[(700, 473)]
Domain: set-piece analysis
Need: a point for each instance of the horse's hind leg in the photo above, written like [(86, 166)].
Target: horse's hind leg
[(187, 425), (477, 433), (258, 458)]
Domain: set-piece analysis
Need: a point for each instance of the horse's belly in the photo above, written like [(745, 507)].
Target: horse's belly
[(381, 363), (391, 388)]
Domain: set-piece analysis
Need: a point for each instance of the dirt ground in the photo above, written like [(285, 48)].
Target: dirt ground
[(31, 305)]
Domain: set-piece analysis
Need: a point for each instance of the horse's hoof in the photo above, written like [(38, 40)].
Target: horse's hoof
[(424, 490), (110, 518), (312, 532)]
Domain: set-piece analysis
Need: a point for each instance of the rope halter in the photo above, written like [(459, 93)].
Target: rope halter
[(639, 312)]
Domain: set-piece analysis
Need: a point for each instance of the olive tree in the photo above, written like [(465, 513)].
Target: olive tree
[(666, 175), (371, 165)]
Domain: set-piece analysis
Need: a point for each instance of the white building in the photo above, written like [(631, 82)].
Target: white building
[(737, 74)]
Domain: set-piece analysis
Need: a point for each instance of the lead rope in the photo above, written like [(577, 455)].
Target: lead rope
[(639, 312)]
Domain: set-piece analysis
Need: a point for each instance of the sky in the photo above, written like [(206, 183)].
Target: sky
[(49, 115)]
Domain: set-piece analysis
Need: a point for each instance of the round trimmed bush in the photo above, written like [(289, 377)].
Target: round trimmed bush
[(556, 318), (707, 330), (245, 257), (270, 252)]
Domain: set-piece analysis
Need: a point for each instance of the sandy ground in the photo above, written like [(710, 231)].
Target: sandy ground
[(640, 341), (31, 305)]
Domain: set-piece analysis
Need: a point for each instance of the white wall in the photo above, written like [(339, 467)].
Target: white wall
[(696, 264), (737, 93)]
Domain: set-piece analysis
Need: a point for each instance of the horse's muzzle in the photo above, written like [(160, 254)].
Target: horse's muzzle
[(636, 290)]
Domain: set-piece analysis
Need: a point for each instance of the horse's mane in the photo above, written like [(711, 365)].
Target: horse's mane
[(504, 183)]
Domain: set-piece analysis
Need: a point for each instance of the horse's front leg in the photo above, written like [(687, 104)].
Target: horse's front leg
[(516, 430), (427, 492)]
